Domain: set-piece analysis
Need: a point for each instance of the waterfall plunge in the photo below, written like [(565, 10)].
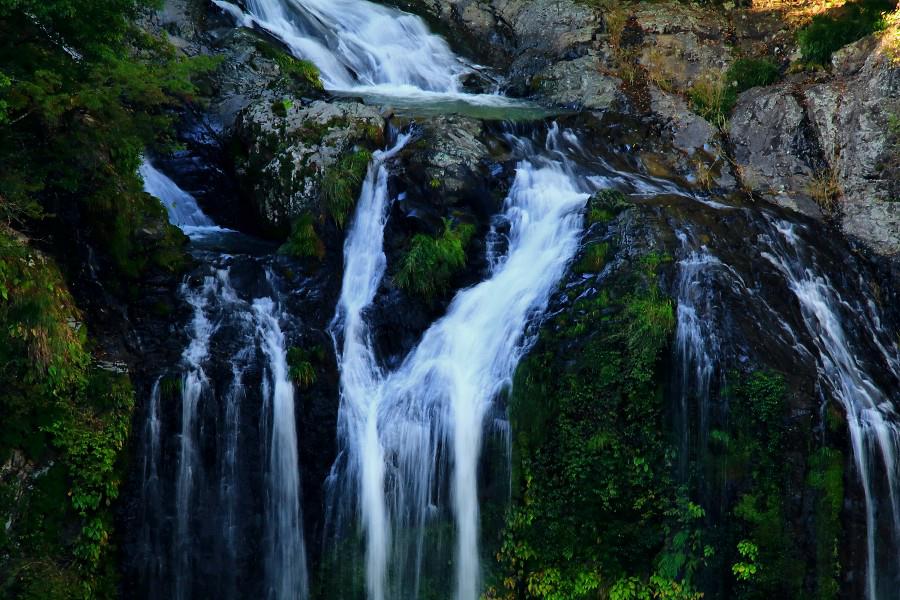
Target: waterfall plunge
[(436, 401)]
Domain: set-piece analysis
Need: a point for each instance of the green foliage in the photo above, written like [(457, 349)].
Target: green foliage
[(746, 569), (341, 184), (831, 31), (304, 242), (826, 477), (87, 92), (56, 407), (715, 94), (746, 73), (428, 267), (281, 107), (591, 462), (300, 363)]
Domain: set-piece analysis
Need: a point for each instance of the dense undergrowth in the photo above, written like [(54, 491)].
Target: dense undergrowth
[(83, 93), (65, 424), (600, 507)]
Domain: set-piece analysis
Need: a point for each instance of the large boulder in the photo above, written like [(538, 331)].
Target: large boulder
[(776, 148), (287, 150)]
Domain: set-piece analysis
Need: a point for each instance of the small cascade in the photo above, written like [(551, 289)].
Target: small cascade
[(181, 206), (286, 562), (854, 382), (697, 346), (194, 385), (365, 48), (410, 433), (235, 432)]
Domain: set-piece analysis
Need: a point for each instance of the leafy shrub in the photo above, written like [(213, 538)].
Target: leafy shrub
[(831, 31), (430, 264), (303, 242)]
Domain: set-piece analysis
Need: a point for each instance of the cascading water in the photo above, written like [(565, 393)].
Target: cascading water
[(859, 367), (364, 48), (870, 407), (213, 462), (403, 431)]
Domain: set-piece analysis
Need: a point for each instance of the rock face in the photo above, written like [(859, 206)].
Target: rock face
[(853, 115), (776, 148), (290, 148), (829, 142)]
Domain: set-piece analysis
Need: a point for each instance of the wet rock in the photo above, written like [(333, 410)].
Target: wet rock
[(289, 148)]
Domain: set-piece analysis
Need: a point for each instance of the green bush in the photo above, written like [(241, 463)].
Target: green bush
[(431, 262), (841, 26), (302, 371), (341, 184), (304, 242)]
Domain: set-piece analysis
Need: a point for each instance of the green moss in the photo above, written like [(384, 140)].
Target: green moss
[(594, 258), (826, 477), (341, 185), (430, 264), (604, 205), (303, 241), (301, 71), (838, 27)]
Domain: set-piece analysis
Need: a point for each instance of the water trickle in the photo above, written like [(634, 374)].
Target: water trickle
[(871, 417), (211, 514)]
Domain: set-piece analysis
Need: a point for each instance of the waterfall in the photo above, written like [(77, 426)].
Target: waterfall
[(871, 417), (210, 508), (287, 555), (362, 47), (194, 384), (404, 430), (697, 346)]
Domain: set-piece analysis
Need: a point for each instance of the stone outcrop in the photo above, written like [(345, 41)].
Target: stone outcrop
[(289, 149)]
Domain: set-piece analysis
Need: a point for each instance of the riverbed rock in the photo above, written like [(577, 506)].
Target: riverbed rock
[(288, 149)]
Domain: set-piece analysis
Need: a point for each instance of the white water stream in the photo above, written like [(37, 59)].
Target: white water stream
[(394, 425)]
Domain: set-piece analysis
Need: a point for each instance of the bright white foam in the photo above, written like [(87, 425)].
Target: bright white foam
[(366, 48), (392, 424)]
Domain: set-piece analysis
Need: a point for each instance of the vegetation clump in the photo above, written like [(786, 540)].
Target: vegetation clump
[(715, 94), (300, 364), (835, 29), (431, 262), (303, 241), (341, 183), (59, 410)]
